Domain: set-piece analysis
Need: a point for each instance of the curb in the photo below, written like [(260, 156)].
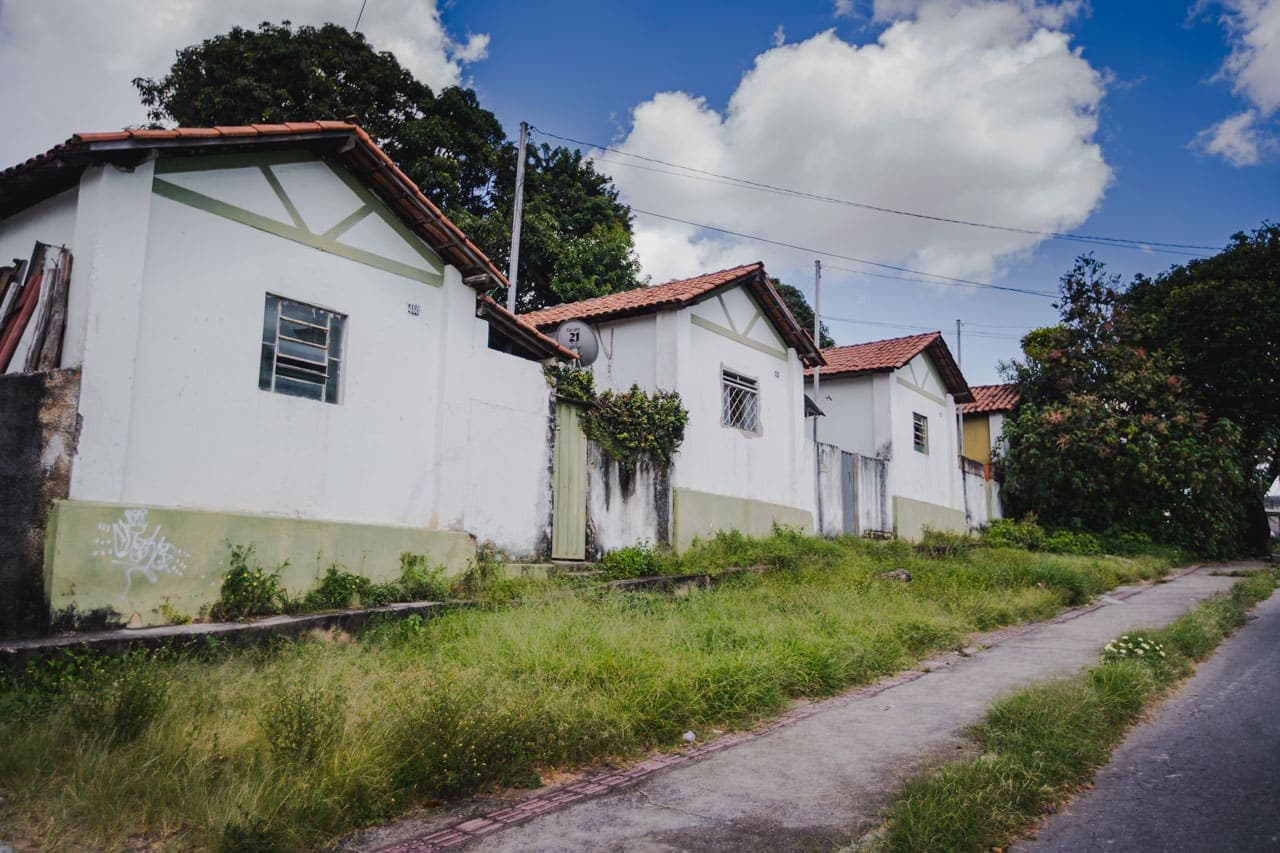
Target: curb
[(555, 799)]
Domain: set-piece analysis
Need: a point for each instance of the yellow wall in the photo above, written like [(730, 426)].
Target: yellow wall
[(977, 437)]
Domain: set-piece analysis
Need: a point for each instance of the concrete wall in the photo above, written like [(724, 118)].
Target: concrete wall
[(432, 429), (912, 517), (52, 221), (700, 515), (831, 489), (38, 434), (626, 509), (857, 413), (685, 351), (123, 560), (932, 477)]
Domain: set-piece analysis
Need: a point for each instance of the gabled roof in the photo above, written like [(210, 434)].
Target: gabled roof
[(60, 168), (892, 354), (992, 398), (689, 291)]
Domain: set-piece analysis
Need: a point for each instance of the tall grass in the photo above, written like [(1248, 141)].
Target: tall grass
[(1043, 742), (282, 747)]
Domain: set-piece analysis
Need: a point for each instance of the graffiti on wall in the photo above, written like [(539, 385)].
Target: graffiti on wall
[(133, 545)]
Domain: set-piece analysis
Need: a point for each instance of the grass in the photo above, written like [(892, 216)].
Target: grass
[(284, 746), (1041, 744)]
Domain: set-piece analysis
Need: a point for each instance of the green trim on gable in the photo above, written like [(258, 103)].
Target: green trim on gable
[(217, 162), (289, 207), (734, 336), (921, 391), (298, 233)]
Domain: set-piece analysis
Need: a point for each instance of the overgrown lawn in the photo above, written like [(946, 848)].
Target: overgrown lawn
[(285, 746)]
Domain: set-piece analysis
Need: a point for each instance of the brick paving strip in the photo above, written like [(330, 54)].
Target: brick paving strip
[(586, 833)]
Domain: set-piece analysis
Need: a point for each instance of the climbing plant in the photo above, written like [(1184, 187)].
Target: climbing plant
[(629, 427)]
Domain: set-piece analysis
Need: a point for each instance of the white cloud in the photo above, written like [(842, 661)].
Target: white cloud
[(66, 64), (779, 36), (1253, 69), (977, 111), (1236, 139), (843, 8)]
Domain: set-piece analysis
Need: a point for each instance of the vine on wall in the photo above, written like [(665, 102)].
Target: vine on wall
[(629, 427)]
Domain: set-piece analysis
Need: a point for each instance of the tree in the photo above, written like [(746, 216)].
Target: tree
[(577, 237), (801, 310), (1109, 436), (1221, 317)]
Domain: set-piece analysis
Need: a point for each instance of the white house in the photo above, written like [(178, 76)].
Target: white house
[(984, 420), (890, 424), (275, 339), (727, 343)]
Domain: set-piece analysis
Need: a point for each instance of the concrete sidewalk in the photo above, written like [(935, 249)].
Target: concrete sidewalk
[(820, 777)]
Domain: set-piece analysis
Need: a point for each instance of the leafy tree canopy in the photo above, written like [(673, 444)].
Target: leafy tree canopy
[(1221, 317), (801, 310), (576, 240), (1110, 436)]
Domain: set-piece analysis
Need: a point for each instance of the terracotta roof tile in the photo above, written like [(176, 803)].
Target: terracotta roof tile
[(671, 294), (992, 398), (892, 354), (677, 294), (28, 180)]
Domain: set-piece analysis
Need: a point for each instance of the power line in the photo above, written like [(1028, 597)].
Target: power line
[(942, 279), (1120, 242)]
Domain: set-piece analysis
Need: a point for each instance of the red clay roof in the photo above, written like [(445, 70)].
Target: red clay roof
[(677, 294), (59, 168), (992, 398), (892, 354)]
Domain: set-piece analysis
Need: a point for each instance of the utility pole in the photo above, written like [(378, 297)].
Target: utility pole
[(817, 371), (514, 266)]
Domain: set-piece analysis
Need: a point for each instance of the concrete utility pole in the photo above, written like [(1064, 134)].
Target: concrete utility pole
[(817, 370), (515, 219)]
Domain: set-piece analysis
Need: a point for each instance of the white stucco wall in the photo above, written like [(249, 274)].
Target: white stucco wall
[(932, 477), (856, 413), (628, 354), (433, 429), (770, 465), (51, 221)]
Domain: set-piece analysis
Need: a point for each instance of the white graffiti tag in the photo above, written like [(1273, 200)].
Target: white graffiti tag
[(130, 546)]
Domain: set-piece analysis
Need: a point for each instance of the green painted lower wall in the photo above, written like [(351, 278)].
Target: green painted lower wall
[(699, 515), (133, 560), (911, 517)]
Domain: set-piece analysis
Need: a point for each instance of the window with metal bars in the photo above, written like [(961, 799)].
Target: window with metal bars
[(739, 401), (921, 432), (301, 350)]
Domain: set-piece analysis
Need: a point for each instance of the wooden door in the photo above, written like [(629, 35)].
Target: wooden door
[(569, 486)]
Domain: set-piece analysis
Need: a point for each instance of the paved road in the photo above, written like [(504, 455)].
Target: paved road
[(1204, 774), (822, 781)]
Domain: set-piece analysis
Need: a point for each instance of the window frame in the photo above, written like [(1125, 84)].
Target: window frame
[(310, 352), (920, 432), (734, 380)]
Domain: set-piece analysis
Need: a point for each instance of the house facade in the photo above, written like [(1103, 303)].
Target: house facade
[(272, 338), (729, 346), (891, 437)]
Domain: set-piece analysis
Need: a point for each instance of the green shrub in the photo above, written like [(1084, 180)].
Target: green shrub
[(1064, 541), (1014, 533), (119, 700), (636, 561), (420, 581), (337, 590), (249, 589), (942, 543), (302, 721)]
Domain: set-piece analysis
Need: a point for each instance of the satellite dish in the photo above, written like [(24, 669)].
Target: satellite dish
[(579, 337)]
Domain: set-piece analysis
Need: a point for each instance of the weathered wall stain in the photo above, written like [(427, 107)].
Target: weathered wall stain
[(39, 431)]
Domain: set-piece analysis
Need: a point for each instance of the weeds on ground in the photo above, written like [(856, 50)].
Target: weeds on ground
[(641, 560), (249, 588), (254, 750), (1042, 743)]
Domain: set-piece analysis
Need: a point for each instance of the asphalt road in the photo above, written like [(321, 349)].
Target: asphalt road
[(1204, 774)]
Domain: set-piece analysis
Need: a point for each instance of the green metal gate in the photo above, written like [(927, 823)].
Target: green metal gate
[(569, 487)]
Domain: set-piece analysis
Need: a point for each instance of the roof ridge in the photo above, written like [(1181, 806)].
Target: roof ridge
[(883, 341)]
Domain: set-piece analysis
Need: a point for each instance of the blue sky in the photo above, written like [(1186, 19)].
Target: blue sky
[(1052, 116)]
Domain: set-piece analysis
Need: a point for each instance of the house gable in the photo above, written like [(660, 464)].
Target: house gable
[(300, 197), (734, 314), (921, 375)]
